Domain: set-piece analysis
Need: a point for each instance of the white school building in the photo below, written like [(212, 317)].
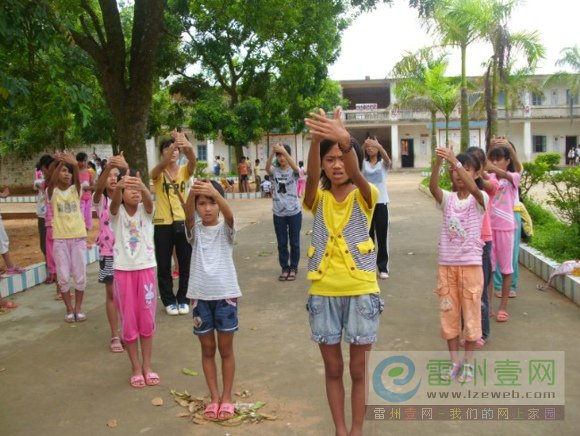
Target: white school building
[(544, 123)]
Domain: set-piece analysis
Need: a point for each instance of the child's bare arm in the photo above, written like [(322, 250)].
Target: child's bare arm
[(206, 189), (466, 178), (281, 149), (189, 208), (117, 197), (185, 146), (313, 176), (270, 159), (334, 130), (53, 173), (499, 172), (434, 188)]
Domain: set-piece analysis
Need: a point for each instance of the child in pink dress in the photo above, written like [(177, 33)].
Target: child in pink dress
[(460, 276), (87, 183), (105, 241), (503, 222)]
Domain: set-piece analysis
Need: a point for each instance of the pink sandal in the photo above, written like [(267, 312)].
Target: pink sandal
[(502, 316), (15, 270), (137, 381), (210, 412), (151, 379), (227, 411)]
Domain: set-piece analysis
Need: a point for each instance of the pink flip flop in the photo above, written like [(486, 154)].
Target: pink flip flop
[(210, 412), (502, 316), (151, 379), (227, 411), (137, 381)]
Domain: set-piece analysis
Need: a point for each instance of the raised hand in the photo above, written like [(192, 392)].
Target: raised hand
[(332, 129), (445, 153), (204, 188), (279, 148), (118, 161), (497, 141)]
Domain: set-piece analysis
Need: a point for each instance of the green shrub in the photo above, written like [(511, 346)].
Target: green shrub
[(444, 180), (552, 160), (552, 237), (565, 194)]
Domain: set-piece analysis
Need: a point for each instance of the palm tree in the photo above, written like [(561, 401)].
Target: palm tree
[(423, 86), (459, 23), (506, 47), (569, 59), (444, 93)]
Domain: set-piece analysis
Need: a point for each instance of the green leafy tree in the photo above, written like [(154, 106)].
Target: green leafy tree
[(570, 76), (501, 75), (460, 23), (424, 86), (122, 41), (48, 89), (251, 52)]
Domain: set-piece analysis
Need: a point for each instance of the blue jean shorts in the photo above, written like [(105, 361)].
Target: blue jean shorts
[(210, 315), (358, 316)]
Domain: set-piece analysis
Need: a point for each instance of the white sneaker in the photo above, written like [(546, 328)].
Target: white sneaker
[(183, 309), (172, 309), (383, 275)]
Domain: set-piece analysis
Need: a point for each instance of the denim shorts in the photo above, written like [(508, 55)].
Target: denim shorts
[(358, 316), (210, 315)]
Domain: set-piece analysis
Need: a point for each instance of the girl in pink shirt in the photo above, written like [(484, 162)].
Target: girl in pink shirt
[(503, 223), (489, 185), (106, 240), (460, 275)]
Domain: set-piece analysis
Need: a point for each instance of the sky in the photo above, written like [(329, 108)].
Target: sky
[(376, 41)]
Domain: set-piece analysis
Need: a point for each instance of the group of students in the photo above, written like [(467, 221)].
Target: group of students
[(479, 237), (344, 300)]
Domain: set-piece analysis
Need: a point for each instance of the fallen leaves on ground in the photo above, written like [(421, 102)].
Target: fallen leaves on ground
[(244, 412), (157, 401), (188, 371)]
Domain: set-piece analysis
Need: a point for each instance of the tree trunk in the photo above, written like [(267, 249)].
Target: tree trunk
[(494, 98), (132, 143), (447, 131), (433, 136), (127, 80), (464, 104)]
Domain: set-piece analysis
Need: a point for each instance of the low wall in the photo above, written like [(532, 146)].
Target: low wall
[(35, 275)]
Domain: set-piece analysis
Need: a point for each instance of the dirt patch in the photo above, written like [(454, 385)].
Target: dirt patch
[(24, 240)]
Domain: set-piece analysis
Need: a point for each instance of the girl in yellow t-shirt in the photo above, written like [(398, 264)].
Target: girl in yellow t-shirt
[(344, 296), (68, 232)]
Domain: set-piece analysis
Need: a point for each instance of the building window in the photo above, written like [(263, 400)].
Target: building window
[(539, 144), (537, 99), (202, 152), (569, 95)]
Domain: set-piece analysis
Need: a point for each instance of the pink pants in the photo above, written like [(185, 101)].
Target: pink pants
[(49, 251), (71, 255), (502, 250), (300, 186), (87, 212), (135, 294)]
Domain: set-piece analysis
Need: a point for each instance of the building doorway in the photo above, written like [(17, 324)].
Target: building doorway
[(407, 153), (570, 145)]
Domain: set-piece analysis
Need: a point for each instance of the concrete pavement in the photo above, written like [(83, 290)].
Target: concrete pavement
[(60, 379)]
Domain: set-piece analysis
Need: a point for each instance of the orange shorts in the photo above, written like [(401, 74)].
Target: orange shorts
[(459, 291)]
